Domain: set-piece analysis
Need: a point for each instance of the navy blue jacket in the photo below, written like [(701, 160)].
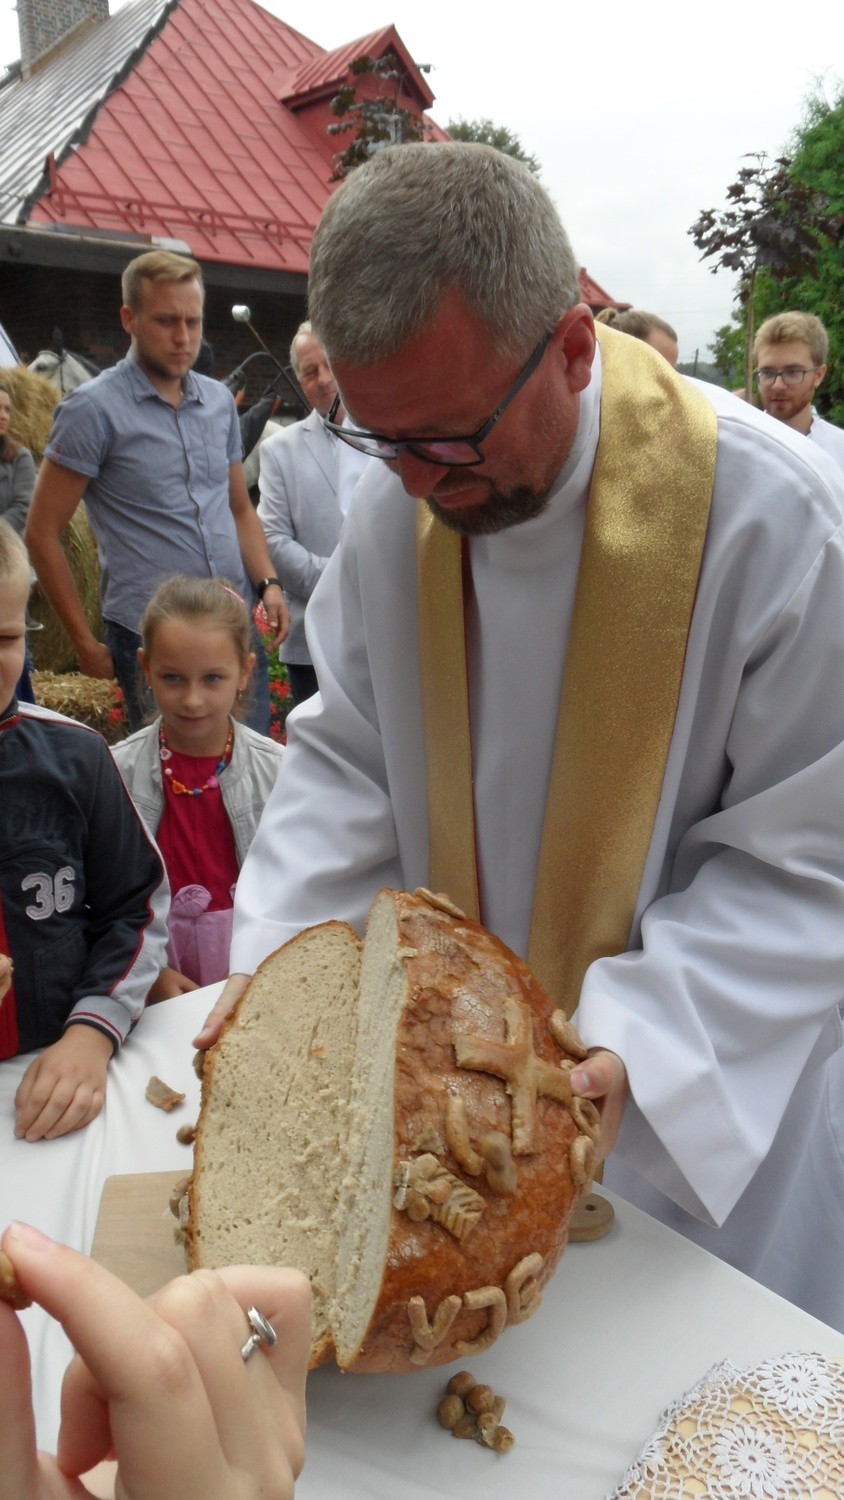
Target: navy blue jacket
[(83, 893)]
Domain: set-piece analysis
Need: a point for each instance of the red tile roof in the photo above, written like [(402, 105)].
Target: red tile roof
[(197, 145), (323, 75)]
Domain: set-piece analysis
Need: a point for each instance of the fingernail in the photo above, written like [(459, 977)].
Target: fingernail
[(580, 1080), (30, 1238)]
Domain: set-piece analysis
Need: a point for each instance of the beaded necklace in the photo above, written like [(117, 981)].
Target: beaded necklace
[(179, 787)]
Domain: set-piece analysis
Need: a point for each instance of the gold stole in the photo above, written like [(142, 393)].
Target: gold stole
[(646, 522)]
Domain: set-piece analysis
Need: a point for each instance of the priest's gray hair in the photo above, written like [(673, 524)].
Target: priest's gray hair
[(423, 219)]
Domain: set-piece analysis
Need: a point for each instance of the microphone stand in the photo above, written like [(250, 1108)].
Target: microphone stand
[(235, 380)]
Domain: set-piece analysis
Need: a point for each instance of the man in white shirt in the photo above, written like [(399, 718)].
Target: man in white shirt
[(591, 685), (307, 477), (791, 351)]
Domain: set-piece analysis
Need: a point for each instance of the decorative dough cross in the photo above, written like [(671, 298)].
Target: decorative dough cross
[(527, 1077)]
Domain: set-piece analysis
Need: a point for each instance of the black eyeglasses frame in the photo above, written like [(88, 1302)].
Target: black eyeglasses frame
[(769, 376), (379, 445)]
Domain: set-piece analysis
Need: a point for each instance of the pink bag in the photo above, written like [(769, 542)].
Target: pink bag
[(199, 939)]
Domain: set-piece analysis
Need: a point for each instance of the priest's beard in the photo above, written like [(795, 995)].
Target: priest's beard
[(537, 458), (498, 512)]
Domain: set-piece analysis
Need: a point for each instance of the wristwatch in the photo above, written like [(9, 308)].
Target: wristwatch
[(264, 583)]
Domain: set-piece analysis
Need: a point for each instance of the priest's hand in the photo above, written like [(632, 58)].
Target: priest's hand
[(603, 1077), (212, 1026)]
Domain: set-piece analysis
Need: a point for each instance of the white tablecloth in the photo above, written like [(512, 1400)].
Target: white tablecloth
[(627, 1325)]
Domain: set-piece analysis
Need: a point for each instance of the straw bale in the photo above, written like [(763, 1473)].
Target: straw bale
[(90, 700), (52, 648), (34, 399)]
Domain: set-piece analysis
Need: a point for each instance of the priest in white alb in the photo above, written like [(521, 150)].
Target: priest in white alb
[(589, 681)]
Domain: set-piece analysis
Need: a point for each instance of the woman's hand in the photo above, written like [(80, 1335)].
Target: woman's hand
[(160, 1385)]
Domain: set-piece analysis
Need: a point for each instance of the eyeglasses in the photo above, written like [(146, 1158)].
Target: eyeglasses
[(791, 375), (448, 452)]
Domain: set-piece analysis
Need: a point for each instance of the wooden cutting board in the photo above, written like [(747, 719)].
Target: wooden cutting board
[(134, 1233)]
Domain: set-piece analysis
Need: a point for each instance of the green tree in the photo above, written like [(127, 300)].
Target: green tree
[(774, 222), (816, 165), (377, 122), (727, 350), (489, 134), (818, 162)]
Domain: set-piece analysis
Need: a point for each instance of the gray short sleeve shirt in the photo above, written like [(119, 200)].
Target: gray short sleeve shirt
[(158, 496)]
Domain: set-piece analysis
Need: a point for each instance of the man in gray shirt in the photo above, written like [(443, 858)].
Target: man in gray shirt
[(155, 451)]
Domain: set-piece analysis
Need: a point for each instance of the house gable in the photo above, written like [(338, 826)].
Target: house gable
[(212, 134)]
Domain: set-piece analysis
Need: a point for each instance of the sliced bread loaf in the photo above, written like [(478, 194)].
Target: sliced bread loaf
[(400, 1126)]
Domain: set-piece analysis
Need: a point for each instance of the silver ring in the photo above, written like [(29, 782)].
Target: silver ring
[(262, 1333)]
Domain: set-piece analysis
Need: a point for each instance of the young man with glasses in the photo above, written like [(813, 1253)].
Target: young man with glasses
[(791, 351), (590, 684)]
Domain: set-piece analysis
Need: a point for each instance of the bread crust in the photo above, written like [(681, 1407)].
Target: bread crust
[(462, 983)]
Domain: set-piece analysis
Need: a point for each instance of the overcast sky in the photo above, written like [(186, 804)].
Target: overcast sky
[(639, 114)]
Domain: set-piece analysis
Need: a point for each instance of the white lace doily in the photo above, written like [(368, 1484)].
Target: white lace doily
[(772, 1432)]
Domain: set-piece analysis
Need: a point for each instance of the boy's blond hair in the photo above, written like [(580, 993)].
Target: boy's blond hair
[(14, 559)]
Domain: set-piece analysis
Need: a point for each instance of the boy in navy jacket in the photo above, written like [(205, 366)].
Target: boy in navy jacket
[(83, 893)]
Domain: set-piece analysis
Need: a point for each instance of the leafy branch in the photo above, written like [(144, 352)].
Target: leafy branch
[(773, 221), (377, 122), (489, 134)]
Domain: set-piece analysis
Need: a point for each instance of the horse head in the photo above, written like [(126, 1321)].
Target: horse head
[(67, 371)]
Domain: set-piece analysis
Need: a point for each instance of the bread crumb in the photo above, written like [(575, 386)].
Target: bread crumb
[(470, 1410), (11, 1290), (161, 1095)]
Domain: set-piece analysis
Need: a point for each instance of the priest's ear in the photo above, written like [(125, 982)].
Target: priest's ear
[(573, 341)]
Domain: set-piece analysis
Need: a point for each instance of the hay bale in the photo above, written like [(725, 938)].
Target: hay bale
[(89, 700), (52, 648), (34, 399)]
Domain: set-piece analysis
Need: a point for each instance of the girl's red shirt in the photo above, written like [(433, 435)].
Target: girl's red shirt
[(195, 836)]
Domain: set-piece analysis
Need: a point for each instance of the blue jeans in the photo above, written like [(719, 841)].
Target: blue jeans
[(138, 705), (23, 691), (138, 702)]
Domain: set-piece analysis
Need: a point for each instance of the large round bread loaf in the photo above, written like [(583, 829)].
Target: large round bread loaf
[(397, 1122)]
